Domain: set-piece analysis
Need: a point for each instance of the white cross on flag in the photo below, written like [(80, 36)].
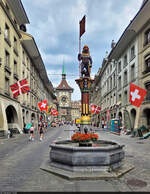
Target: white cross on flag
[(43, 105), (137, 95), (98, 109), (93, 108)]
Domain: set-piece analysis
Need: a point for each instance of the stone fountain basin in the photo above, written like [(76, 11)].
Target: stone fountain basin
[(102, 156)]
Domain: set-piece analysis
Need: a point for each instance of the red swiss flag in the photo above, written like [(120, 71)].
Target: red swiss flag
[(93, 108), (43, 105), (98, 109), (54, 112), (137, 95)]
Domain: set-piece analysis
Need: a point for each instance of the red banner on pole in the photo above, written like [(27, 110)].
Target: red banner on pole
[(108, 114), (82, 26), (98, 109), (54, 112)]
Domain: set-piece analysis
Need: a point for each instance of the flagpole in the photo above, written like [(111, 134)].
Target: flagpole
[(81, 31), (79, 49)]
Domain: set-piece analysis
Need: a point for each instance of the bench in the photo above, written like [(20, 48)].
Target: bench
[(143, 132)]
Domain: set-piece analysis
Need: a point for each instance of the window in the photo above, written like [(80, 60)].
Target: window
[(7, 33), (132, 54), (27, 62), (15, 67), (147, 64), (111, 83), (114, 81), (7, 59), (125, 77), (107, 85), (119, 83), (7, 84), (23, 74), (125, 97), (147, 86), (120, 97), (119, 67), (132, 72), (147, 37), (114, 98), (15, 43), (108, 70), (125, 61), (23, 54), (110, 67)]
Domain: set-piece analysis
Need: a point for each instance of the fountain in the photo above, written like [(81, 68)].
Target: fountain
[(86, 157)]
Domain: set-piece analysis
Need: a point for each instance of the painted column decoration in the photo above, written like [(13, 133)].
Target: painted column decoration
[(84, 83)]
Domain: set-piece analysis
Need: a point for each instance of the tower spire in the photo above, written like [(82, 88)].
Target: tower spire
[(63, 72)]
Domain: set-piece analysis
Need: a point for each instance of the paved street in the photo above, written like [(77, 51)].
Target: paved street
[(20, 162)]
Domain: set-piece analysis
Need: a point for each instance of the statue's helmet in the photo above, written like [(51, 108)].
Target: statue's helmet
[(86, 47)]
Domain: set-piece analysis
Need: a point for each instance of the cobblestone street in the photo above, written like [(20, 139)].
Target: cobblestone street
[(20, 162)]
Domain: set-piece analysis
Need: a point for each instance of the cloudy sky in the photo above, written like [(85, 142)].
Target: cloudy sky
[(55, 27)]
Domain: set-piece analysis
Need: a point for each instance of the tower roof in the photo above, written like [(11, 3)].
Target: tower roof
[(63, 84)]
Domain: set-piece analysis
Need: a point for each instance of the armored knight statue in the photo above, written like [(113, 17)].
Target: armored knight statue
[(86, 63)]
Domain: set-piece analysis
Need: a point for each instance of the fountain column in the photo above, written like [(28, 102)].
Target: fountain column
[(84, 84)]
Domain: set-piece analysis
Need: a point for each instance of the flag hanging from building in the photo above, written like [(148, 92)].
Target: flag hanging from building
[(108, 114), (93, 108), (43, 105), (54, 112), (48, 109), (98, 109), (82, 26), (136, 95), (21, 87)]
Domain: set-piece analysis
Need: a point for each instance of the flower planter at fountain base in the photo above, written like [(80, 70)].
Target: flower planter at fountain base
[(85, 144)]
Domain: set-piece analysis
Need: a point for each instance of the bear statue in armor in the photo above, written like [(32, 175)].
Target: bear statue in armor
[(86, 63)]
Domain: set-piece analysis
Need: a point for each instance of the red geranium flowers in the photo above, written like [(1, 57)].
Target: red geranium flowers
[(79, 137)]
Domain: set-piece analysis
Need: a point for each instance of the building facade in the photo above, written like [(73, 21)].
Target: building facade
[(20, 59), (75, 110), (128, 61)]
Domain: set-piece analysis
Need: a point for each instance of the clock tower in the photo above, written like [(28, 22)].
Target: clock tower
[(63, 93)]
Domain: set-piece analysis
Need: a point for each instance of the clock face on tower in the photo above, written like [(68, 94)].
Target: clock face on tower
[(64, 99)]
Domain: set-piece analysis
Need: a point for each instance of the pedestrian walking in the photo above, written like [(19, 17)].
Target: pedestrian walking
[(41, 130), (45, 125), (31, 131), (103, 123)]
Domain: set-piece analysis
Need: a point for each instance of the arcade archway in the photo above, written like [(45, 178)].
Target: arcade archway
[(11, 115)]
